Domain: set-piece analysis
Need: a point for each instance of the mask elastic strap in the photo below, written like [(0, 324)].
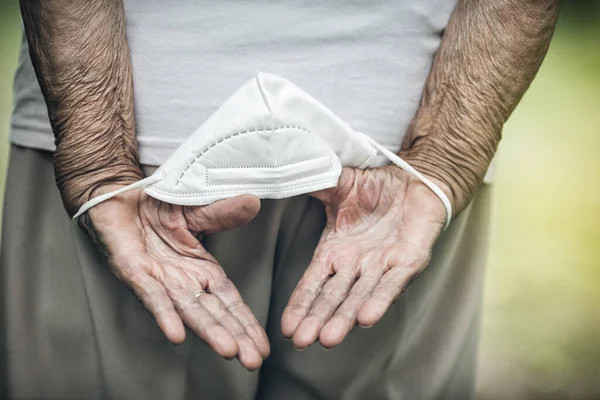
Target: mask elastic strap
[(408, 168), (141, 184), (144, 183)]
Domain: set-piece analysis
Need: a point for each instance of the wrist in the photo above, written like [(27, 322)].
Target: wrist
[(456, 166), (420, 200), (78, 188)]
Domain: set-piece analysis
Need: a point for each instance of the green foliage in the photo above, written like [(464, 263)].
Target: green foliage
[(542, 314), (9, 45)]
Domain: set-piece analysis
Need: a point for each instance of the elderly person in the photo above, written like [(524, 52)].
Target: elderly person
[(309, 268)]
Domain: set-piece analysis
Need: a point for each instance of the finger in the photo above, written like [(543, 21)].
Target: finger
[(222, 215), (226, 291), (248, 353), (203, 323), (344, 320), (156, 300), (389, 288), (329, 299), (304, 295)]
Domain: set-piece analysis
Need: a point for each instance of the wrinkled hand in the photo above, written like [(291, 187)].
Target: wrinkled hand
[(381, 226), (153, 249)]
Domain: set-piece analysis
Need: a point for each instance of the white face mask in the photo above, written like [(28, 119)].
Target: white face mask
[(269, 139)]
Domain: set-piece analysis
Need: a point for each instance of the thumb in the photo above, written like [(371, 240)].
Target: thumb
[(339, 191), (222, 215), (325, 195)]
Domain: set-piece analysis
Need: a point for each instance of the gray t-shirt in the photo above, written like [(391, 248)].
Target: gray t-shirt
[(365, 60)]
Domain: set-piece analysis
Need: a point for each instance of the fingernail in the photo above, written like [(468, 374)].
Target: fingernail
[(297, 349), (365, 326), (326, 348)]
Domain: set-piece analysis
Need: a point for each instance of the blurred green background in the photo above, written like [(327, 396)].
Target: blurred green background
[(541, 324)]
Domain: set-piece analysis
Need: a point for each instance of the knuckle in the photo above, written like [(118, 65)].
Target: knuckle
[(162, 308), (418, 266), (370, 274), (240, 334), (205, 330), (293, 308), (238, 305), (347, 313), (387, 291), (144, 295), (131, 275), (235, 305), (360, 294), (333, 295), (310, 288), (185, 305)]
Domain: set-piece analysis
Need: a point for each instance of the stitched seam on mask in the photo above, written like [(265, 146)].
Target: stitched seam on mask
[(224, 192), (290, 182), (272, 166), (235, 134), (368, 161), (207, 185), (212, 192)]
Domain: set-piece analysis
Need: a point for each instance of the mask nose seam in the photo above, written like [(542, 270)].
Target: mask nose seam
[(263, 94)]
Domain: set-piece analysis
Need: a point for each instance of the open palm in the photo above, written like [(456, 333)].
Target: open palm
[(381, 226), (153, 248)]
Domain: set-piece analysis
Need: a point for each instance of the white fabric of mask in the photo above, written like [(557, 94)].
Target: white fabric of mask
[(269, 139)]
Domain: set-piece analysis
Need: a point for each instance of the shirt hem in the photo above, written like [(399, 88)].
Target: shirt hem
[(153, 152)]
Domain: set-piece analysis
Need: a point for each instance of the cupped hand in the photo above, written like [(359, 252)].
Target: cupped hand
[(153, 248), (381, 226)]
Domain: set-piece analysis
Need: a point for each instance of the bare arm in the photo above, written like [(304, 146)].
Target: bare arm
[(489, 55), (379, 240), (79, 51), (80, 55)]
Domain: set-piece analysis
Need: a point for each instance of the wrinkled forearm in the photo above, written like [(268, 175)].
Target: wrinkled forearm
[(488, 56), (80, 55)]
